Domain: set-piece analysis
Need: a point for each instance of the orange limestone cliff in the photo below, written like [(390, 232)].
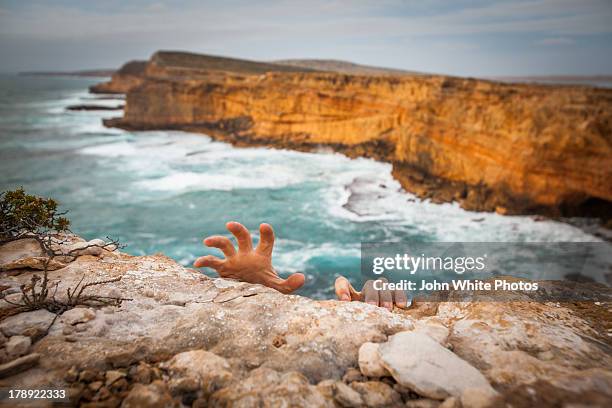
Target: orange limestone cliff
[(490, 146), (128, 76)]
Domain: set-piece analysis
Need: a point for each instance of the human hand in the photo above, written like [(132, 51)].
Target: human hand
[(248, 264), (384, 298)]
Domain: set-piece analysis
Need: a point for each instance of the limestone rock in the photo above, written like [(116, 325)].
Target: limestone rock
[(266, 387), (207, 368), (478, 397), (78, 315), (154, 395), (432, 328), (451, 402), (25, 253), (111, 376), (353, 374), (18, 346), (20, 323), (377, 394), (141, 373), (346, 396), (422, 403), (327, 388), (93, 247), (274, 347), (418, 362), (370, 363)]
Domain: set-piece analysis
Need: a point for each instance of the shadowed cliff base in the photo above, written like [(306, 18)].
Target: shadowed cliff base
[(510, 148)]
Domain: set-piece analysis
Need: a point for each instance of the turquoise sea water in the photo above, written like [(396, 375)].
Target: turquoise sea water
[(164, 191)]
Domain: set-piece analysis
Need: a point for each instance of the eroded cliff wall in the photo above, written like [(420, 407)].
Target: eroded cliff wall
[(490, 146)]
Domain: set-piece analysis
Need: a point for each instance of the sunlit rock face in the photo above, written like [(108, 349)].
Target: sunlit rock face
[(490, 146), (127, 77), (185, 338)]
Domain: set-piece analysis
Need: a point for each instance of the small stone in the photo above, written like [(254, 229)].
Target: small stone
[(184, 385), (71, 375), (478, 397), (353, 374), (177, 299), (78, 315), (369, 361), (17, 346), (401, 389), (119, 385), (450, 402), (87, 376), (346, 396), (200, 403), (103, 394), (326, 388), (34, 333), (154, 395), (546, 355), (377, 394), (95, 386), (16, 325), (112, 376), (210, 369), (141, 373), (422, 403), (93, 247)]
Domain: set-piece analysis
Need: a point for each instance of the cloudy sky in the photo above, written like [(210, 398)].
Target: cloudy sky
[(473, 38)]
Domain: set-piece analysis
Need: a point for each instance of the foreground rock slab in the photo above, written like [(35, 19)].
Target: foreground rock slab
[(187, 339), (418, 362)]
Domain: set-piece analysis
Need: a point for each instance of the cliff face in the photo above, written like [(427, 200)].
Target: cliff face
[(127, 77), (183, 337), (491, 146)]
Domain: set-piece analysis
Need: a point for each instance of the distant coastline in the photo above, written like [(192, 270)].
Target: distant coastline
[(103, 72), (587, 80)]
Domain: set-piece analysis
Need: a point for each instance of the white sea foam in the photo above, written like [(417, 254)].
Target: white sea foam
[(375, 196), (189, 181), (354, 190)]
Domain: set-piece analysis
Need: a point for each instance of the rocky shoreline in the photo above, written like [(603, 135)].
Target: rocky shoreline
[(510, 148), (183, 339)]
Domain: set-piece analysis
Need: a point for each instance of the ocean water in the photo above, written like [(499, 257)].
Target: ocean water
[(164, 191)]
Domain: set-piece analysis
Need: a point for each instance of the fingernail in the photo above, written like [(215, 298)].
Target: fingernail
[(388, 305), (345, 298), (373, 303), (408, 303)]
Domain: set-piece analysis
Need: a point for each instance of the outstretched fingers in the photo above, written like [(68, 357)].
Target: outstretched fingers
[(243, 236), (266, 240), (209, 261), (222, 243)]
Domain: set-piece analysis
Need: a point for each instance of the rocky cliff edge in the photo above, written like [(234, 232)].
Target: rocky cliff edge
[(188, 340)]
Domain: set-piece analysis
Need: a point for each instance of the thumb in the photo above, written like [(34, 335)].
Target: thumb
[(344, 290), (292, 283)]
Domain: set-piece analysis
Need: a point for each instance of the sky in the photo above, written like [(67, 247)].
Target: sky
[(457, 37)]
